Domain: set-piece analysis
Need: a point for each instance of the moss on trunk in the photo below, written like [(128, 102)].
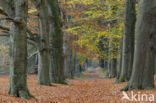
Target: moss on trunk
[(56, 43), (18, 51)]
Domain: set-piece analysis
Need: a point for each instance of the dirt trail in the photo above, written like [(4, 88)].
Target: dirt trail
[(92, 90)]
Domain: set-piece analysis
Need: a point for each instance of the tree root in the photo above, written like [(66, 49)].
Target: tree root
[(20, 93)]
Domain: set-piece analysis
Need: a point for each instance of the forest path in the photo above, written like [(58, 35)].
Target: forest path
[(92, 73), (92, 89)]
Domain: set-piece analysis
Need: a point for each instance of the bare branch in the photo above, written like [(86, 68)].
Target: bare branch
[(4, 28), (32, 54), (4, 34), (36, 3), (10, 19), (3, 12), (31, 42), (6, 6), (32, 36)]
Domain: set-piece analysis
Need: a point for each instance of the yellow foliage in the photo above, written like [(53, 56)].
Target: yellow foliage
[(92, 20)]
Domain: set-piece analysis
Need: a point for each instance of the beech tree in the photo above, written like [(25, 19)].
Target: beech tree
[(43, 43), (17, 11), (119, 62), (143, 64), (67, 47), (56, 43), (68, 66), (128, 41)]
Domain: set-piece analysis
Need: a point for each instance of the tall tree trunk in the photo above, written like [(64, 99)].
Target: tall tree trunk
[(67, 50), (113, 68), (101, 49), (143, 64), (44, 54), (43, 43), (18, 63), (105, 65), (68, 67), (110, 57), (128, 41), (101, 60), (155, 64), (75, 62), (119, 62), (56, 43)]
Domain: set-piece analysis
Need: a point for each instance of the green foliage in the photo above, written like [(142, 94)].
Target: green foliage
[(4, 54), (80, 76), (121, 79), (81, 59), (102, 72)]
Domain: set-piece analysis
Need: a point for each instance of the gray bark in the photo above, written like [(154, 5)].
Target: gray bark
[(143, 64), (128, 41), (105, 65), (112, 72), (109, 57), (18, 50), (101, 48), (75, 62), (67, 50), (56, 43), (43, 43), (44, 54), (101, 61), (155, 65), (68, 67), (119, 62)]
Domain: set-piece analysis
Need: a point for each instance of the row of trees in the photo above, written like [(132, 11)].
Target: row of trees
[(93, 33), (132, 60), (98, 29), (98, 25), (135, 62), (55, 60)]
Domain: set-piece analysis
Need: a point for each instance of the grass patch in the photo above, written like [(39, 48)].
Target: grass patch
[(79, 76), (102, 72), (87, 70), (121, 79)]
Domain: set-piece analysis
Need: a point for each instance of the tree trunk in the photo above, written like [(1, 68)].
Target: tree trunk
[(109, 57), (68, 67), (119, 62), (101, 49), (44, 54), (143, 65), (128, 41), (18, 63), (56, 43), (67, 50), (155, 64), (101, 60), (113, 68), (105, 65)]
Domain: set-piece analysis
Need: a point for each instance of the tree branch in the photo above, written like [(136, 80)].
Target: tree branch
[(10, 19), (6, 6), (4, 34), (3, 12), (4, 28), (31, 42), (36, 3), (33, 54), (32, 36)]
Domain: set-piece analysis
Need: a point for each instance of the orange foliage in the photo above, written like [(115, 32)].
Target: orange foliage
[(90, 90)]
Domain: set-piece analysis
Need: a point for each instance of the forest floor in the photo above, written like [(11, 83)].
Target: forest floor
[(90, 89)]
